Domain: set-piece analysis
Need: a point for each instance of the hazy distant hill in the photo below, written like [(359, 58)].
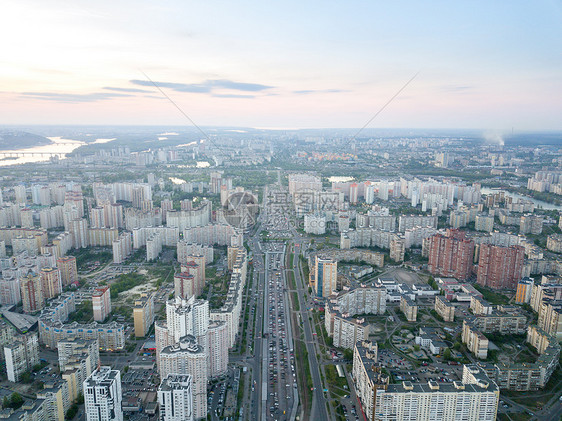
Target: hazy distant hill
[(11, 139)]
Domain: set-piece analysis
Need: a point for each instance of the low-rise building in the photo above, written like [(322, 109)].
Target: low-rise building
[(480, 306)]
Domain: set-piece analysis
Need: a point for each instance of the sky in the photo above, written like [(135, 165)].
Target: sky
[(490, 65)]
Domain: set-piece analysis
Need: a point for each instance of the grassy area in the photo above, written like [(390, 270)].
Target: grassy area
[(86, 258), (240, 395), (83, 314), (336, 384), (126, 282), (491, 296), (304, 378), (296, 305)]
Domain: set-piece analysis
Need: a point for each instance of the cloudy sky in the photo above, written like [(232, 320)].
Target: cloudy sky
[(294, 64)]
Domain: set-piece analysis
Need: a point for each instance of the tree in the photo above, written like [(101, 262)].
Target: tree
[(26, 377), (457, 346), (16, 400), (348, 354), (5, 402), (447, 354), (71, 413)]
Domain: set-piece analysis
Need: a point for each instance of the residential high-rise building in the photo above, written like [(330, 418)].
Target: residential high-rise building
[(531, 224), (444, 308), (175, 398), (353, 193), (72, 349), (10, 290), (68, 270), (524, 291), (114, 215), (397, 248), (166, 205), (188, 357), (101, 301), (451, 254), (217, 348), (298, 182), (484, 223), (143, 314), (184, 285), (78, 229), (122, 247), (51, 282), (369, 194), (32, 292), (474, 399), (323, 276), (187, 317), (315, 224), (26, 218), (344, 329), (364, 300), (195, 266), (500, 267), (21, 194), (409, 308), (97, 218), (21, 355), (74, 199), (102, 395)]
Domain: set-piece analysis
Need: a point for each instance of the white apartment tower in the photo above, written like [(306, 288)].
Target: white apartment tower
[(102, 395), (175, 397), (188, 357)]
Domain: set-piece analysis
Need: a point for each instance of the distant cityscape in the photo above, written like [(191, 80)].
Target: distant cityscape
[(153, 274)]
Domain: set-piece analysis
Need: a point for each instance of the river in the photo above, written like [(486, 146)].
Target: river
[(542, 204), (59, 145)]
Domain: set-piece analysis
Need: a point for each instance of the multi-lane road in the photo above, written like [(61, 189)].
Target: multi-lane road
[(274, 394)]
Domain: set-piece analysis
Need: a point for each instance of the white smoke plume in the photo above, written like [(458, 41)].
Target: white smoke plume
[(494, 138)]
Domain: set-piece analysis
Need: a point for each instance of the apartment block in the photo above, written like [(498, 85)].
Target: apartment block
[(475, 399), (103, 395), (21, 355), (101, 301), (143, 314), (362, 300), (451, 255), (409, 308), (500, 267), (344, 329), (175, 398), (444, 308), (524, 291), (323, 276)]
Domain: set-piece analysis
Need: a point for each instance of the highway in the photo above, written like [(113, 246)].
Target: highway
[(318, 411)]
